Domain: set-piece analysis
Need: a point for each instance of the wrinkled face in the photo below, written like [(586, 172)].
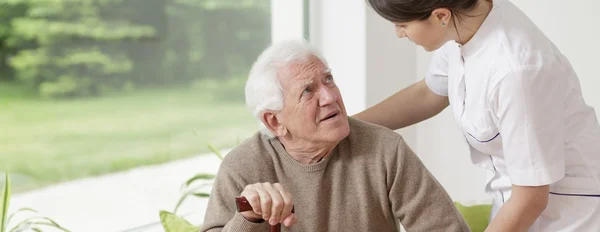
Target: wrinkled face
[(430, 33), (313, 108)]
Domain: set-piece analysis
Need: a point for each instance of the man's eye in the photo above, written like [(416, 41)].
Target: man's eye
[(307, 91), (329, 79)]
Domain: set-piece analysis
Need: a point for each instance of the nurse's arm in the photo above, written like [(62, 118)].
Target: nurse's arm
[(406, 107), (525, 205)]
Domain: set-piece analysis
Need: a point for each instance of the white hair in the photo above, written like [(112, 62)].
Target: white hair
[(263, 88)]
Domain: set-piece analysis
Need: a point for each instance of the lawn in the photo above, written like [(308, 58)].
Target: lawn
[(43, 142)]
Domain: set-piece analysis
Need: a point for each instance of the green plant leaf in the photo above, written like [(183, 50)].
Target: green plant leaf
[(174, 223), (202, 195), (32, 221), (195, 188), (5, 199), (186, 194), (201, 176), (50, 225), (216, 151), (18, 211)]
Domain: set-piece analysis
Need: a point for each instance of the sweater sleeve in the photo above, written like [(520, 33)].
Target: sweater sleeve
[(418, 200), (221, 213)]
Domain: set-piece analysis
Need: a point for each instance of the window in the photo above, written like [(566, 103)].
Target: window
[(106, 107)]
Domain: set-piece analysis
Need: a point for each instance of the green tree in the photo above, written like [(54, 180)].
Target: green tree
[(216, 38), (73, 55), (8, 47), (73, 48)]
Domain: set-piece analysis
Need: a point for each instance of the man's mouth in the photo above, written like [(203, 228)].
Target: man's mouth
[(331, 115)]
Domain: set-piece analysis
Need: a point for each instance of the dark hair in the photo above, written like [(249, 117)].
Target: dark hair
[(409, 10)]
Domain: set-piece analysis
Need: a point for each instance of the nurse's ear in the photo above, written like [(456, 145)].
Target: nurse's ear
[(441, 16)]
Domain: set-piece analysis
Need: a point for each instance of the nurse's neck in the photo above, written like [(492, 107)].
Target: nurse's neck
[(468, 24)]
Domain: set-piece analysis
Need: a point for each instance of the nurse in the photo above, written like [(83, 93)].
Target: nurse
[(517, 101)]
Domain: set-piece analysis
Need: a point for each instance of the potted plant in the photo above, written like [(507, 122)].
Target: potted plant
[(31, 223), (195, 186)]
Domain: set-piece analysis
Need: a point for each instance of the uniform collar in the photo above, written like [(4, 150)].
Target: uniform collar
[(486, 30)]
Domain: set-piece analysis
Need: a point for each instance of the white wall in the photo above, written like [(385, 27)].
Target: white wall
[(347, 38), (371, 64), (287, 20), (394, 67)]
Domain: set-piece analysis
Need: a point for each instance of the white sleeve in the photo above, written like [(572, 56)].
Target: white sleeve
[(437, 74), (529, 104)]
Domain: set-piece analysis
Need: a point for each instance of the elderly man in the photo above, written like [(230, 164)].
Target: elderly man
[(337, 173)]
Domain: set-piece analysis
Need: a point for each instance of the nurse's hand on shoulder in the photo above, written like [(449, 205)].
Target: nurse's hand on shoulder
[(271, 202), (519, 213)]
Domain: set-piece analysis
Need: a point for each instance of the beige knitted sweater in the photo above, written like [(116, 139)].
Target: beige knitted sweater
[(370, 182)]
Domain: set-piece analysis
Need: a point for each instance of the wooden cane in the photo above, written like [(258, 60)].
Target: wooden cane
[(243, 205)]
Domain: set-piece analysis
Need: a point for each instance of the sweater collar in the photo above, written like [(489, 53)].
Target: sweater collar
[(289, 161)]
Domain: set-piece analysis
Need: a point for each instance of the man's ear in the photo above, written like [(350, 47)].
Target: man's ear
[(273, 123)]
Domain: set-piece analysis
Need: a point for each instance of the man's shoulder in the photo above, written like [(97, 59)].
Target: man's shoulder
[(375, 144), (372, 136), (367, 130), (253, 153)]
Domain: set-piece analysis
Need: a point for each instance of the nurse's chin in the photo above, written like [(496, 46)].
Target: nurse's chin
[(427, 49)]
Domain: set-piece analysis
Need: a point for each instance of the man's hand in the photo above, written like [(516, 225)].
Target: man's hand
[(270, 202)]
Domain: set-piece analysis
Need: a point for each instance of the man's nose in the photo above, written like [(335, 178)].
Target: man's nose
[(326, 96)]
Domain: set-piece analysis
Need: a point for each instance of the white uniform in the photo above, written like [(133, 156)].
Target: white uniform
[(519, 105)]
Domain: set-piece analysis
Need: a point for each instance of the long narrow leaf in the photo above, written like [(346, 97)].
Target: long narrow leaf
[(201, 176), (195, 188), (216, 151), (51, 225), (201, 195), (183, 197), (32, 220), (186, 194), (28, 225), (179, 202), (21, 226), (5, 200), (18, 211), (56, 225)]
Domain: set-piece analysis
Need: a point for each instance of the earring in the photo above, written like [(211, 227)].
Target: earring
[(443, 24)]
